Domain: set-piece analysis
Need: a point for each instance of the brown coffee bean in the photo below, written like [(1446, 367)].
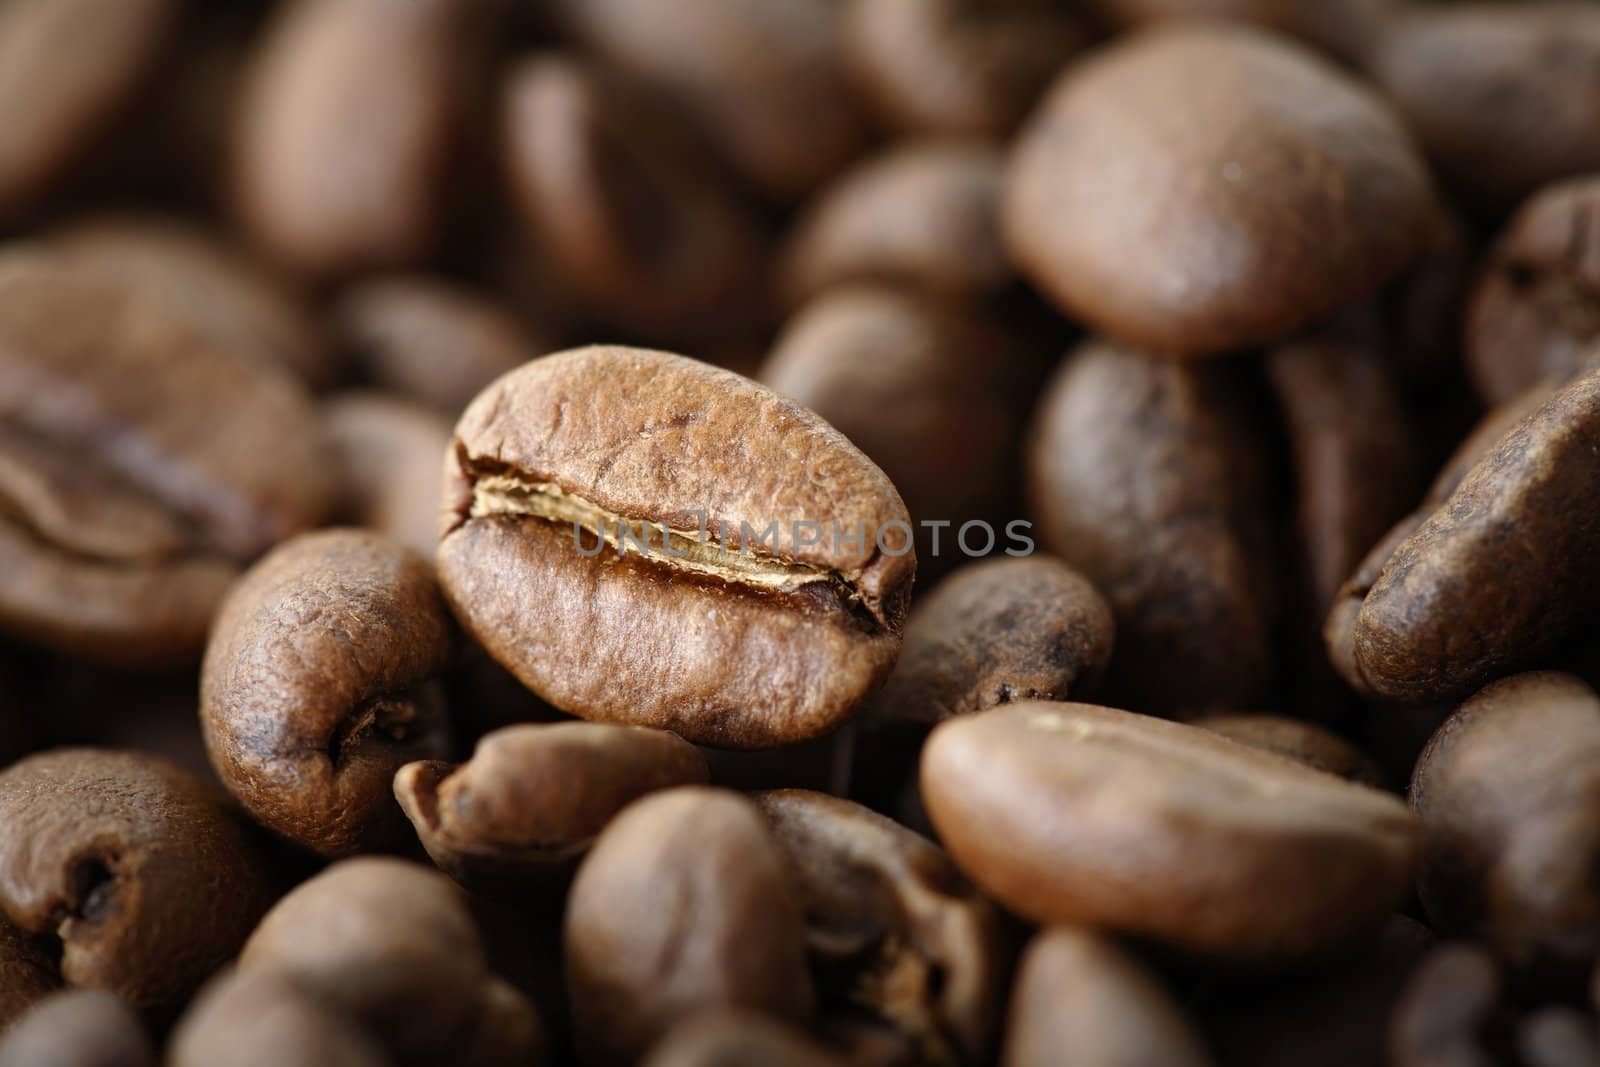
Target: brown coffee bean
[(1535, 312), (387, 453), (1164, 194), (430, 340), (923, 214), (136, 866), (321, 681), (1077, 990), (992, 632), (1145, 476), (348, 129), (629, 223), (1559, 1037), (957, 66), (1346, 28), (1498, 573), (905, 953), (1302, 742), (685, 904), (1503, 96), (68, 69), (755, 633), (244, 306), (29, 972), (78, 1028), (533, 798), (392, 945), (1068, 813), (763, 79), (1511, 845), (930, 392), (738, 1039), (141, 465), (253, 1019), (1447, 1005)]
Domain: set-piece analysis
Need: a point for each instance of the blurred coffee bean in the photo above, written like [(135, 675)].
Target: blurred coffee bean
[(388, 451), (78, 1028), (1069, 813), (1164, 191), (1504, 97), (738, 1039), (137, 867), (1559, 1037), (29, 972), (686, 867), (252, 1019), (1448, 1005), (1345, 28), (1302, 742), (321, 681), (1145, 475), (1079, 990), (531, 801), (1535, 312)]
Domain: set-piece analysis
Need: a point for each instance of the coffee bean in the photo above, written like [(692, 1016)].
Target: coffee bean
[(533, 798), (321, 681), (387, 453), (393, 946), (1346, 28), (78, 1028), (1535, 312), (1302, 742), (992, 632), (726, 642), (29, 972), (1163, 192), (1503, 96), (905, 952), (1145, 476), (68, 69), (1447, 1005), (1462, 599), (686, 867), (263, 1020), (1510, 846), (763, 79), (736, 1039), (430, 340), (1069, 813), (1078, 990), (970, 67), (137, 867), (347, 131), (1559, 1037), (141, 466), (923, 214)]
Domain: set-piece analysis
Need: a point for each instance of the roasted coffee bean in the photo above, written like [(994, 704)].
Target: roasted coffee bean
[(1559, 1037), (630, 223), (387, 452), (1302, 742), (1068, 813), (930, 392), (78, 1028), (393, 946), (252, 1019), (763, 79), (533, 798), (1078, 990), (246, 308), (992, 632), (136, 866), (430, 340), (1165, 191), (1145, 476), (923, 214), (1503, 96), (1448, 1004), (685, 904), (1346, 28), (1502, 569), (29, 972), (348, 129), (957, 66), (1535, 312), (1511, 846), (68, 69), (140, 466), (738, 1039), (321, 681), (906, 954), (766, 616)]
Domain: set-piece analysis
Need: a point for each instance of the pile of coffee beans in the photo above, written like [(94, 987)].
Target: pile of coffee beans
[(809, 533)]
